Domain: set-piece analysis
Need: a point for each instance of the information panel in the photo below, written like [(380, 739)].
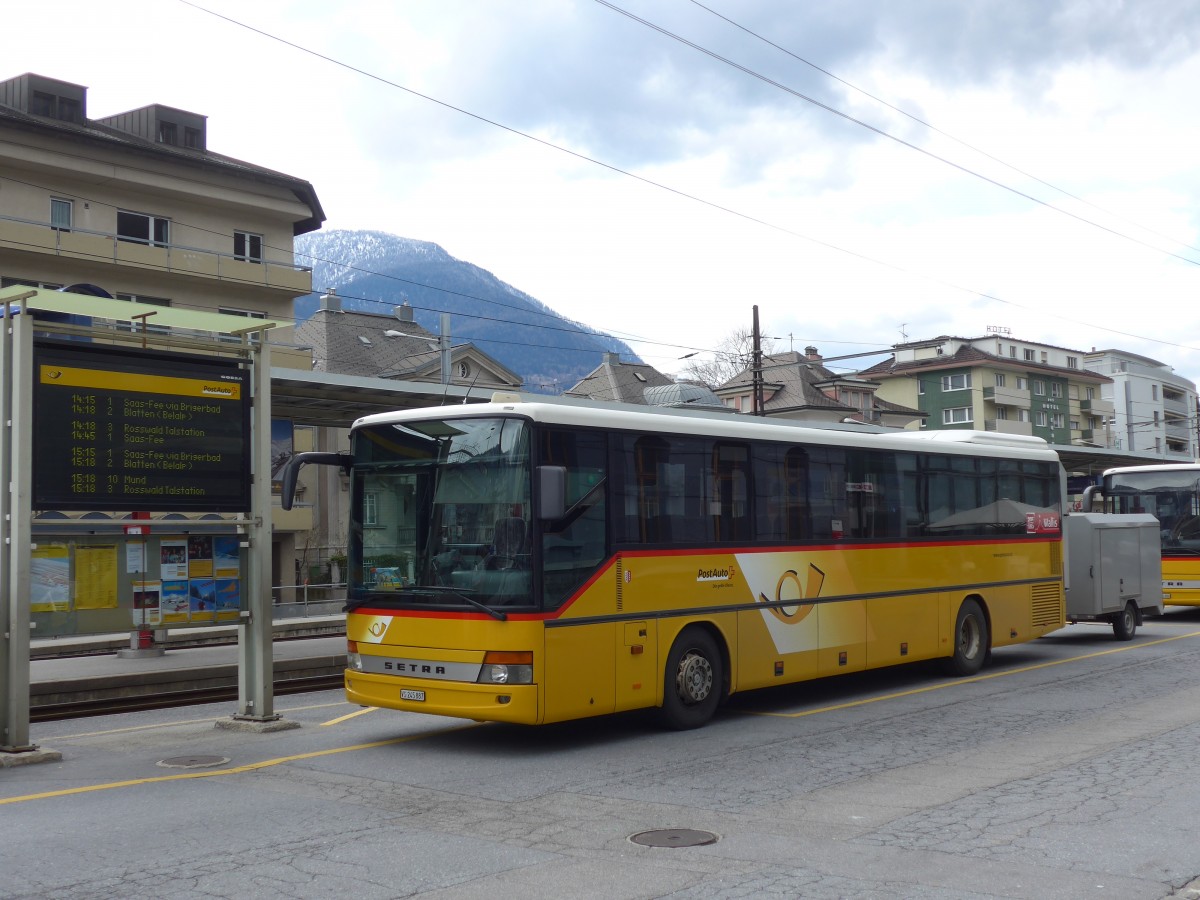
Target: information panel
[(118, 429)]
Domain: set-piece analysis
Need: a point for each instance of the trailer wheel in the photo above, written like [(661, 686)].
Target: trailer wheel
[(1125, 622), (971, 642), (692, 681)]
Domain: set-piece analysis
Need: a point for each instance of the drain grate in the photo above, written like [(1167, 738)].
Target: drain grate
[(674, 837), (193, 762)]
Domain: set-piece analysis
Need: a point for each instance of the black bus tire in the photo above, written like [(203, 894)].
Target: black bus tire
[(972, 643), (693, 680)]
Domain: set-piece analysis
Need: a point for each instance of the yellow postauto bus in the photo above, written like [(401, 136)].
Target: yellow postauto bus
[(1171, 493), (538, 561)]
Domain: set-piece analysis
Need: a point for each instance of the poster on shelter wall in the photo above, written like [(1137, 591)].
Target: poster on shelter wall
[(95, 576), (173, 560), (146, 609), (200, 556), (50, 579), (202, 596), (226, 556), (228, 595), (174, 602)]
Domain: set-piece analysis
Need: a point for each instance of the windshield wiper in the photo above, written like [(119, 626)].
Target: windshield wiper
[(432, 591)]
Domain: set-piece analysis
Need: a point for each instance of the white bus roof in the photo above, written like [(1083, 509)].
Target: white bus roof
[(1157, 467), (610, 416)]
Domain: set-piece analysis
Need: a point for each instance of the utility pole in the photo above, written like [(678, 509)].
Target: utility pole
[(756, 369)]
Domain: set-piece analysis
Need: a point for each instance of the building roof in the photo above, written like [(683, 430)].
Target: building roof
[(792, 379), (624, 382), (968, 356), (380, 346), (93, 132)]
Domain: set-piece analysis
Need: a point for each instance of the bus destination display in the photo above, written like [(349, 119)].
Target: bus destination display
[(129, 431)]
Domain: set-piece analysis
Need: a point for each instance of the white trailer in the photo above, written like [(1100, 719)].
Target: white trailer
[(1113, 569)]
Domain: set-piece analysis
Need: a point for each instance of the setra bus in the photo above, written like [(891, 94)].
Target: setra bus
[(1171, 493), (535, 561)]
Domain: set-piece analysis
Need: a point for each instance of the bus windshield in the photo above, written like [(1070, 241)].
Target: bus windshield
[(440, 515), (1171, 496)]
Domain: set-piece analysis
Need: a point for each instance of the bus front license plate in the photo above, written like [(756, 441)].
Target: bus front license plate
[(412, 695)]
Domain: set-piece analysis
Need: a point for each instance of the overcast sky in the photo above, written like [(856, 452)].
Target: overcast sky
[(958, 166)]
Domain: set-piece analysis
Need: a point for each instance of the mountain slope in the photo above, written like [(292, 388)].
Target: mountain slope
[(374, 271)]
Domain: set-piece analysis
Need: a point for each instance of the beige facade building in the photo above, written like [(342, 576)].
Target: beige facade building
[(137, 205)]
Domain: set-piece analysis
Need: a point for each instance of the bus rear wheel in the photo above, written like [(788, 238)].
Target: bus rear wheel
[(971, 641), (693, 680)]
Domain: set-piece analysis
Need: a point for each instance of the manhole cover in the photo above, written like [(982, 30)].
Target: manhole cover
[(193, 762), (674, 837)]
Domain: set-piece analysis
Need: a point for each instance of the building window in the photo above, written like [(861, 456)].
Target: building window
[(1012, 351), (191, 138), (60, 214), (956, 416), (168, 133), (1022, 415), (1074, 424), (1040, 419), (958, 382), (999, 379), (1001, 413), (247, 246), (1022, 383), (370, 509), (1028, 354), (1091, 393), (143, 229), (1154, 392), (1039, 387), (1072, 362), (1045, 357), (1056, 389), (54, 107), (1057, 420)]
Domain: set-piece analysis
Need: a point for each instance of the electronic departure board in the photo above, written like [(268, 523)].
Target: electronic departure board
[(118, 429)]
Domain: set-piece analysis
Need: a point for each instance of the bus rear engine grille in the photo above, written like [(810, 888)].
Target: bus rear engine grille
[(1047, 604)]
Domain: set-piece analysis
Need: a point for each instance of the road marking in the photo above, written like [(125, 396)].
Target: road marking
[(127, 728), (236, 770), (972, 680), (357, 712)]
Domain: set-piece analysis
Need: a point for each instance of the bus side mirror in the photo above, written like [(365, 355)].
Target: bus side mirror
[(552, 492), (291, 471)]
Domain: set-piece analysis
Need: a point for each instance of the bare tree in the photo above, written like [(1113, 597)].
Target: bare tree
[(733, 356)]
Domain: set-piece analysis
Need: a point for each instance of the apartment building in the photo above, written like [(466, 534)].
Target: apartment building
[(1154, 410), (999, 383), (137, 205)]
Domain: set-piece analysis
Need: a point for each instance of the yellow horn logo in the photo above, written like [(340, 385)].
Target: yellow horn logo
[(795, 612)]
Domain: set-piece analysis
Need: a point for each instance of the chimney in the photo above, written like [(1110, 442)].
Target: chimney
[(810, 352), (404, 312), (612, 359), (331, 301)]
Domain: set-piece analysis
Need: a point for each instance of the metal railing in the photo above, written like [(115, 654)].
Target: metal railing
[(301, 601)]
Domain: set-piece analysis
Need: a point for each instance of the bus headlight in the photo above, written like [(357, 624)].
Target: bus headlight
[(506, 667), (353, 659)]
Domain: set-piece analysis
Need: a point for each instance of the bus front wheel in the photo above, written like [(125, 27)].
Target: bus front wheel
[(692, 681), (971, 642)]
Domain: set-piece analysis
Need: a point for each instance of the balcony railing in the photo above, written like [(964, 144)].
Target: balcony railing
[(1097, 407), (1008, 426), (1006, 396), (98, 246)]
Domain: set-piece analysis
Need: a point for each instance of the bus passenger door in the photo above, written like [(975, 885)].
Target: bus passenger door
[(637, 664)]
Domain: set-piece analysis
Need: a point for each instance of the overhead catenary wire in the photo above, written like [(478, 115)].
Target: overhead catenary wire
[(711, 204)]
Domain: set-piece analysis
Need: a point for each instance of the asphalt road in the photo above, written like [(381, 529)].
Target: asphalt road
[(1067, 769)]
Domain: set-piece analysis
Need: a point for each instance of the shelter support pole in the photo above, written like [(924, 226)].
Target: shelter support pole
[(256, 670), (16, 459)]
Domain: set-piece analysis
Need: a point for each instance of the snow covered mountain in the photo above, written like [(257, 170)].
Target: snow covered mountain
[(375, 271)]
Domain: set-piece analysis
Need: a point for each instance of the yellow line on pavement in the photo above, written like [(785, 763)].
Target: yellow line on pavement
[(357, 712), (960, 681), (210, 719), (236, 770)]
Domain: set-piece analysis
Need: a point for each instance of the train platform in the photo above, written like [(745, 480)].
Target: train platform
[(96, 673)]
